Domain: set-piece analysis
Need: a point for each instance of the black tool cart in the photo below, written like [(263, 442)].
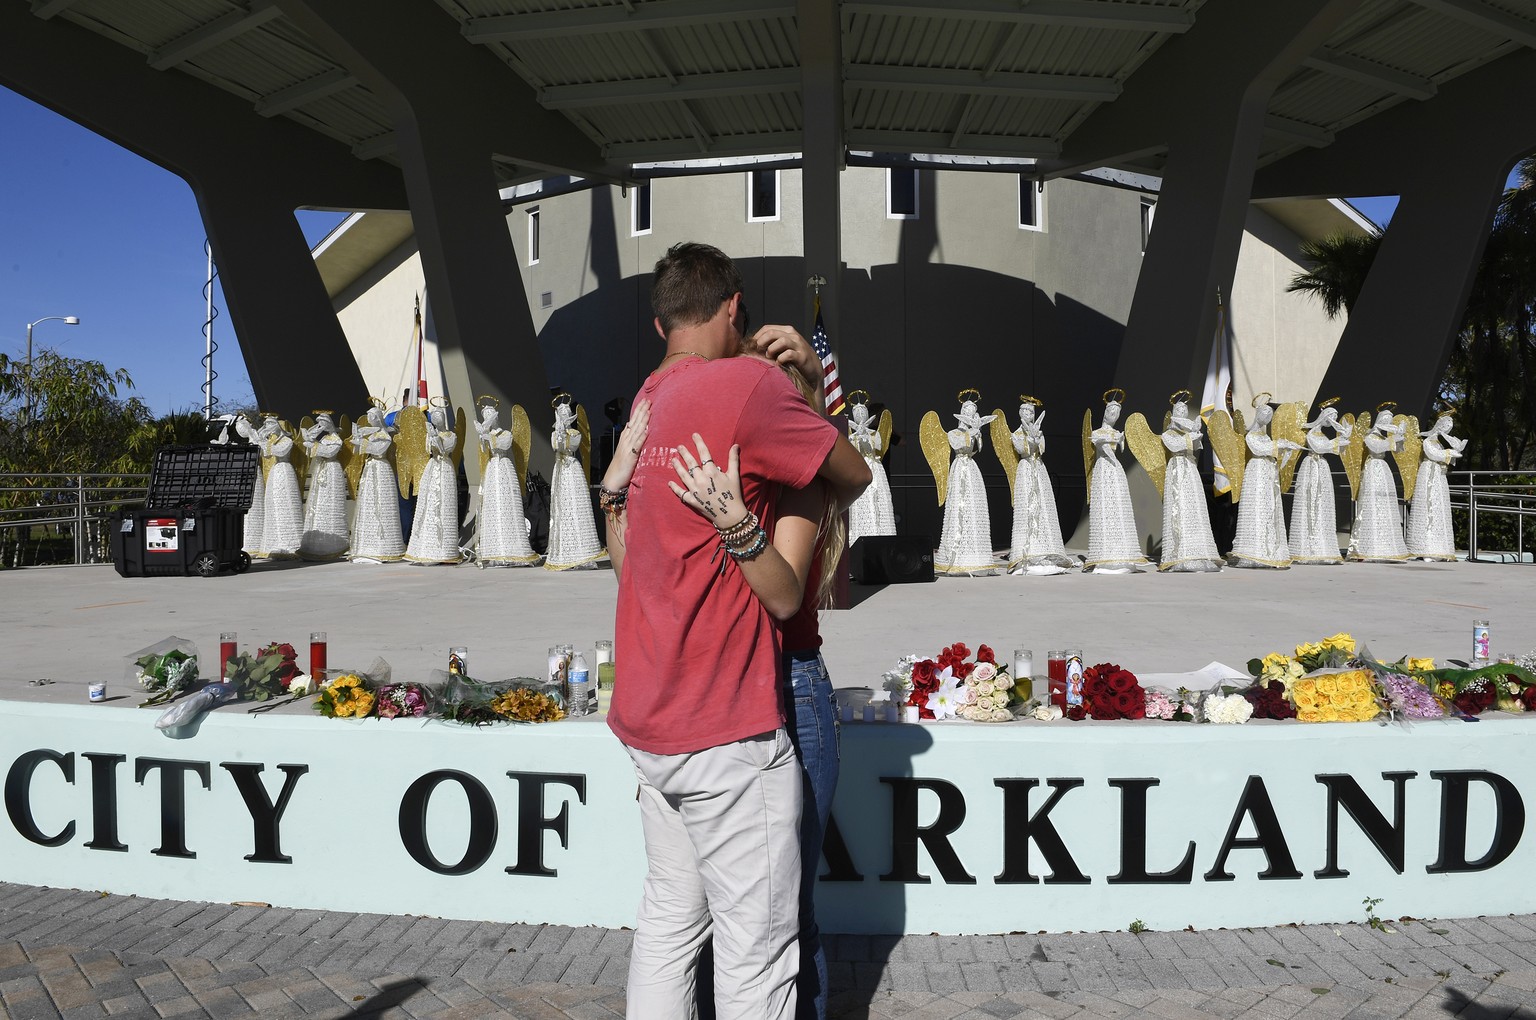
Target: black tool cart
[(193, 520)]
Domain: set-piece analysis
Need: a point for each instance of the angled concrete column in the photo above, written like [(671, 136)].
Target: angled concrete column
[(821, 94), (1203, 96), (1401, 330), (446, 135), (247, 172)]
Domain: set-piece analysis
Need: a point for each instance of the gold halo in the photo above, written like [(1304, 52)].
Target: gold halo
[(1180, 396), (321, 410), (561, 398), (486, 398), (378, 402), (438, 401), (1114, 393), (975, 394), (268, 414), (1265, 394), (1386, 405), (858, 397), (1025, 398), (1327, 403), (1446, 412)]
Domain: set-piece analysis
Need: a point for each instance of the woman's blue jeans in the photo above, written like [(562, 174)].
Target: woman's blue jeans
[(812, 712)]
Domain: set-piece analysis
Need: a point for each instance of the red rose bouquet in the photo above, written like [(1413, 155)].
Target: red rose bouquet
[(1110, 692)]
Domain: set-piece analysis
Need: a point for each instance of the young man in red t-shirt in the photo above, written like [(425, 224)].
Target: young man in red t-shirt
[(699, 707)]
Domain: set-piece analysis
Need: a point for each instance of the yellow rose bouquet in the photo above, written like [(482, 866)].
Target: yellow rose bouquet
[(347, 696), (1351, 696)]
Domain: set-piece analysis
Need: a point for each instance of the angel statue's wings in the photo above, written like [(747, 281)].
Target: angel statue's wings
[(586, 443), (1088, 455), (522, 439), (1231, 446), (884, 428), (1408, 457), (1002, 445), (1353, 454), (460, 429), (1148, 447), (299, 457), (1287, 424), (410, 448), (935, 443)]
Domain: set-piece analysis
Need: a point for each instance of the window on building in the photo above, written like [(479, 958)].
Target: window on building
[(901, 193), (1031, 204), (1148, 211), (640, 210), (533, 236), (762, 196)]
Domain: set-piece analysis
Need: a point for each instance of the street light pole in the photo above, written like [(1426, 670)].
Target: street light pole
[(68, 320)]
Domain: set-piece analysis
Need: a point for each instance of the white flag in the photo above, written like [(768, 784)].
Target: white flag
[(1218, 388)]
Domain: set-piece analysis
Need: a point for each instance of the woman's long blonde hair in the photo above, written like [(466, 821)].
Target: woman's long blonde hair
[(832, 532)]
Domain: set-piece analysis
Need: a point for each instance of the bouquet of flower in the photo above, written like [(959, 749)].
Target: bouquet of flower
[(1350, 696), (1177, 707), (260, 677), (345, 696), (1110, 692), (938, 688), (523, 704), (165, 669), (1225, 707), (288, 667), (987, 690), (402, 699)]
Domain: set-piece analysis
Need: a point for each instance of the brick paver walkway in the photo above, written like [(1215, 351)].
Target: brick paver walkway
[(70, 953)]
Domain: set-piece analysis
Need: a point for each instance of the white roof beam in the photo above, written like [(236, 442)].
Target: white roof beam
[(1342, 65), (219, 30), (46, 9), (941, 141), (1005, 83), (294, 96), (1486, 17), (649, 90), (587, 20), (1296, 132), (1102, 14)]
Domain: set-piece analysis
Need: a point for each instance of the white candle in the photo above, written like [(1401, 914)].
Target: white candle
[(1023, 663), (845, 712), (869, 713), (909, 714)]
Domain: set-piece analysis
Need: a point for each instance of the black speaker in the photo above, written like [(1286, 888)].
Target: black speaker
[(891, 559)]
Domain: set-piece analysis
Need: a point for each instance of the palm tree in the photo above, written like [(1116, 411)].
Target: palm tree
[(1340, 264)]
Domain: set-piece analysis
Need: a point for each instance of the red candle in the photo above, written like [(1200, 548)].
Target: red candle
[(317, 655), (227, 641), (1056, 670)]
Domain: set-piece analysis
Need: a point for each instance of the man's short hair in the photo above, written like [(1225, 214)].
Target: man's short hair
[(689, 283)]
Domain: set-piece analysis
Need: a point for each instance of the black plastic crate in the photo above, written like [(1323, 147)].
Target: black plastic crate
[(177, 542), (205, 476)]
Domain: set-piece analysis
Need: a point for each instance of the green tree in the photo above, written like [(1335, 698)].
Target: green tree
[(1340, 264)]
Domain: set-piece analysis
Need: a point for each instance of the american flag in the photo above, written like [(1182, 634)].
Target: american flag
[(831, 386)]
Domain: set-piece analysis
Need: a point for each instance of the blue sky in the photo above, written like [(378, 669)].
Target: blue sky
[(90, 229)]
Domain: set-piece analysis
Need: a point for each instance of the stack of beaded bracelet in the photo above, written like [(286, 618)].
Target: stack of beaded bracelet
[(612, 503), (744, 539)]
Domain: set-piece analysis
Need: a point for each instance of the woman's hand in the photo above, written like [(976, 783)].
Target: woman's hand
[(712, 492), (626, 453)]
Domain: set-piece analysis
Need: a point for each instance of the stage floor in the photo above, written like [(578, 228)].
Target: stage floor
[(74, 625)]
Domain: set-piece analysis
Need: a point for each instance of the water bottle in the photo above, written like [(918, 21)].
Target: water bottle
[(577, 705)]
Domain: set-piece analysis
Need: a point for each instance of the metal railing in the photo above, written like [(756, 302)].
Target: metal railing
[(1510, 493), (38, 512)]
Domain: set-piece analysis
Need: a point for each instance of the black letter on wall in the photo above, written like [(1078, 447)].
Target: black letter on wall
[(1268, 836), (265, 816), (173, 801), (1133, 840), (1019, 827), (18, 795), (905, 832), (482, 822), (531, 822), (104, 801), (1389, 837), (839, 861), (1508, 821)]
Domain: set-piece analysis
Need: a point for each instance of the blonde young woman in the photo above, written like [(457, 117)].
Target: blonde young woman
[(808, 542)]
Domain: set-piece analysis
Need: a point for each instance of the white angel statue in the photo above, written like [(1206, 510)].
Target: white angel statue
[(1377, 535), (502, 535), (283, 507), (325, 509), (965, 541), (872, 513), (257, 514), (1035, 546), (435, 525), (1170, 461), (573, 540), (376, 534), (1261, 537), (1112, 543), (1429, 515), (1314, 535)]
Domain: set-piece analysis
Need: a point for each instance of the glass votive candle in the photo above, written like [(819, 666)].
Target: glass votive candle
[(1480, 640), (869, 713), (606, 667), (317, 650), (1023, 672), (1056, 677), (228, 643), (1074, 676)]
